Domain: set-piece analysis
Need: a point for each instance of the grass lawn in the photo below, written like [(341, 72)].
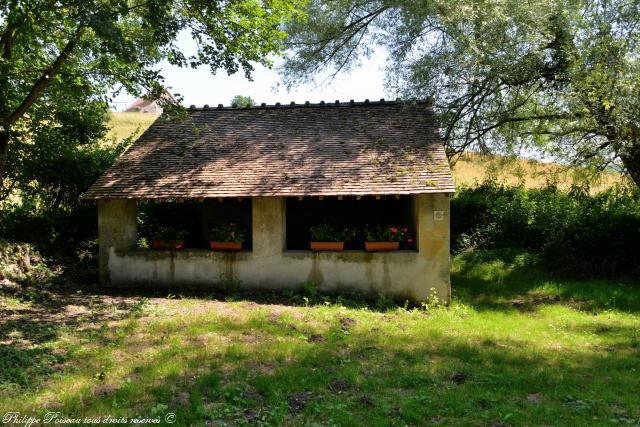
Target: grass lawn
[(124, 125), (514, 348)]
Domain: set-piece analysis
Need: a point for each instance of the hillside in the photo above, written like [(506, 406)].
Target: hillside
[(124, 125), (473, 168), (469, 170)]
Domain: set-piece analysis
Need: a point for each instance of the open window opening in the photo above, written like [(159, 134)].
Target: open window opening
[(194, 224), (350, 213)]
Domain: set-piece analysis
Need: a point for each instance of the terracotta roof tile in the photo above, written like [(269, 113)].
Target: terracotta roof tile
[(303, 150)]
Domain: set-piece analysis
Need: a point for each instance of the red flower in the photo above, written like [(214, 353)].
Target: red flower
[(393, 230)]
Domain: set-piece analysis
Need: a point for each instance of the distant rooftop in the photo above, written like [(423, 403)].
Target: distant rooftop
[(320, 149), (151, 106)]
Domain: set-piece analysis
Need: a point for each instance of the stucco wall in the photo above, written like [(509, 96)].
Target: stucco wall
[(405, 274), (117, 229)]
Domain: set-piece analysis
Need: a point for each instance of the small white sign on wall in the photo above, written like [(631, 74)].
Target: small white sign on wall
[(438, 215)]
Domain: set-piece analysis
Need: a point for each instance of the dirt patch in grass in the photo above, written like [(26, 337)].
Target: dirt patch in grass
[(264, 368), (105, 389), (317, 338), (347, 322), (339, 386), (298, 401), (458, 378)]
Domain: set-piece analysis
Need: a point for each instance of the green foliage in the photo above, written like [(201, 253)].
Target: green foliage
[(574, 232), (433, 301), (389, 233), (242, 101), (310, 292), (59, 155), (328, 233), (558, 78), (229, 283), (169, 234), (59, 57), (57, 230), (227, 233), (54, 156)]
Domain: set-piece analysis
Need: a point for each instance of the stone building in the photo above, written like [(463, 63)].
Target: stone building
[(277, 170)]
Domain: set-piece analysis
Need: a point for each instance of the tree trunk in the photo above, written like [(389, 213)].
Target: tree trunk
[(4, 153), (631, 161)]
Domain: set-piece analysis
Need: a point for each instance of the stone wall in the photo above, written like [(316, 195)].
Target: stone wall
[(403, 274)]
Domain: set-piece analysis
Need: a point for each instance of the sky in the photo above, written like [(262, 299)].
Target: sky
[(200, 86)]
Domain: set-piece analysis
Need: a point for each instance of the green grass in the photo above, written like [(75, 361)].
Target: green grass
[(125, 125), (516, 347)]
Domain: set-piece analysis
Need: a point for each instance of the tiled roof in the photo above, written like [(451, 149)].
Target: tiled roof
[(361, 148), (139, 103)]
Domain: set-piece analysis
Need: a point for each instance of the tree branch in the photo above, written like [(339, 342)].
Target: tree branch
[(46, 78)]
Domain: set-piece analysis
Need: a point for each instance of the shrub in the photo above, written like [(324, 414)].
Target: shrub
[(574, 232)]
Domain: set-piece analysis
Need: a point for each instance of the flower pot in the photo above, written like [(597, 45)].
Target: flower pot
[(381, 246), (167, 244), (225, 246), (327, 246)]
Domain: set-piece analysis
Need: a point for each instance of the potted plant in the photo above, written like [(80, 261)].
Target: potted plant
[(168, 238), (326, 238), (226, 237), (385, 238)]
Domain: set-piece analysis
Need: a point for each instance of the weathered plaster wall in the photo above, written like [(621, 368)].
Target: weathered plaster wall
[(406, 274), (117, 229)]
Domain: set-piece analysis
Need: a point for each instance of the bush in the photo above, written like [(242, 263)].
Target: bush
[(574, 232), (52, 161), (57, 230)]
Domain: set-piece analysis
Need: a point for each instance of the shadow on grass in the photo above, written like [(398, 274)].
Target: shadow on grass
[(357, 374), (36, 310), (514, 280), (486, 280)]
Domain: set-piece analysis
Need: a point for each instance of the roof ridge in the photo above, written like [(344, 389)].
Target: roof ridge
[(336, 103)]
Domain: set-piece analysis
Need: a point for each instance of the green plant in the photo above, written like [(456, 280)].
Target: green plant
[(432, 301), (574, 232), (310, 290), (230, 283), (169, 234), (327, 233), (379, 233), (227, 233)]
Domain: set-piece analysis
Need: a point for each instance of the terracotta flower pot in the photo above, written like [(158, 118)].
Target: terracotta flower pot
[(381, 246), (225, 246), (327, 246), (166, 244)]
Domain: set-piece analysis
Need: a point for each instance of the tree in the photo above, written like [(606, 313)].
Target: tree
[(562, 78), (242, 101), (55, 158), (48, 47)]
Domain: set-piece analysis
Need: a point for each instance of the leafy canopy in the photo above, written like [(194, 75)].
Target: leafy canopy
[(243, 101), (57, 55), (557, 77)]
